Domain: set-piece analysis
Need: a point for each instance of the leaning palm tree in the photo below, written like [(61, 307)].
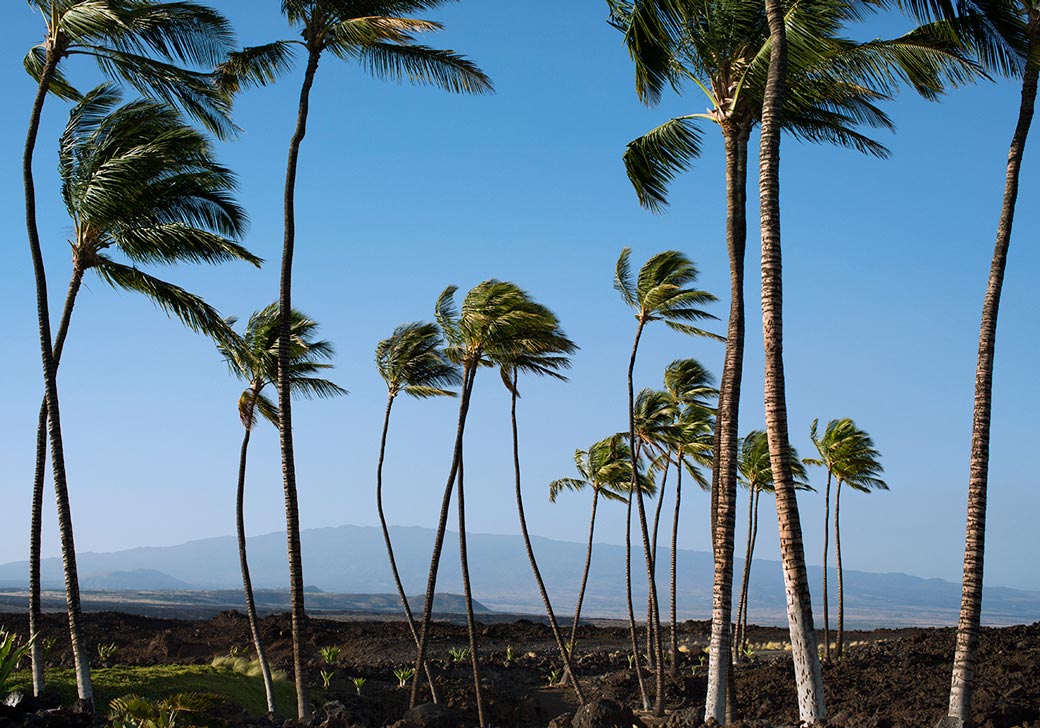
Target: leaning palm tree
[(376, 33), (253, 358), (604, 468), (139, 182), (545, 353), (411, 361), (756, 475), (141, 43), (660, 292)]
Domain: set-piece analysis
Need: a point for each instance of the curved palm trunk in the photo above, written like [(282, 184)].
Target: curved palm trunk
[(654, 624), (68, 547), (643, 695), (247, 583), (826, 550), (409, 618), (673, 653), (751, 559), (36, 525), (584, 573), (741, 637), (468, 375), (292, 511), (808, 677), (839, 639), (974, 547), (653, 557), (471, 626), (725, 469), (564, 654)]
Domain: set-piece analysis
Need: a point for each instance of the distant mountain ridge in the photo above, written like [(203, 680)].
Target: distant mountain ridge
[(351, 560)]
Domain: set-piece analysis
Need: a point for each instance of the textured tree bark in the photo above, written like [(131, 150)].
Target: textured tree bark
[(643, 695), (839, 639), (471, 625), (826, 550), (808, 677), (673, 649), (741, 636), (292, 511)]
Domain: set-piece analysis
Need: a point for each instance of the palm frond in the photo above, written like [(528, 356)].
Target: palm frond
[(254, 66), (425, 66), (653, 160)]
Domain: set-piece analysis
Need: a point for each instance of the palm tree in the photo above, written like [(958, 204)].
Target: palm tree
[(547, 353), (253, 358), (497, 323), (604, 468), (136, 179), (376, 33), (849, 455), (140, 43), (756, 475), (411, 361), (722, 47), (660, 292)]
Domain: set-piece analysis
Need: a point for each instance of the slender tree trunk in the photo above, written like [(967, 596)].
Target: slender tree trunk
[(808, 677), (751, 560), (673, 652), (471, 626), (653, 557), (409, 618), (725, 468), (643, 695), (584, 575), (36, 525), (741, 639), (68, 548), (971, 597), (826, 550), (568, 664), (839, 641), (247, 583), (655, 623), (468, 375), (292, 511)]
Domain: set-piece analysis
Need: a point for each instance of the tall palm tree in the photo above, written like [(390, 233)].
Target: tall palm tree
[(411, 361), (141, 43), (376, 33), (497, 322), (136, 180), (604, 468), (849, 455), (756, 475), (660, 292), (546, 356), (722, 48), (253, 358)]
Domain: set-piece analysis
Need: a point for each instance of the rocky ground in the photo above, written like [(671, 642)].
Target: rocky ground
[(887, 678)]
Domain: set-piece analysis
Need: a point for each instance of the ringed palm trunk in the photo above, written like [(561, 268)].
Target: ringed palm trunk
[(471, 626), (654, 624), (741, 637), (247, 582), (673, 654), (826, 550), (409, 618), (568, 664), (643, 695), (68, 547), (751, 559), (36, 525), (653, 555), (468, 375), (839, 641), (808, 677), (584, 573), (725, 470), (959, 713), (292, 511)]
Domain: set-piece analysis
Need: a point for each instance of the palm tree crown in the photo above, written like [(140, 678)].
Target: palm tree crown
[(848, 453), (411, 361), (660, 292)]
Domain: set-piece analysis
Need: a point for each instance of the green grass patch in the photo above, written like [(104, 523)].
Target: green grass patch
[(160, 681)]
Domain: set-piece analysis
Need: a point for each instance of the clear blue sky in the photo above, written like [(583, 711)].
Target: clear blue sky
[(403, 191)]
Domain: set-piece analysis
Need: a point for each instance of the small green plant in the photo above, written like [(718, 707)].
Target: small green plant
[(749, 652), (700, 663), (48, 644), (403, 675), (330, 654), (631, 661), (106, 653), (234, 651), (326, 678), (359, 682), (510, 653), (10, 655), (243, 666), (459, 654), (553, 677), (182, 709)]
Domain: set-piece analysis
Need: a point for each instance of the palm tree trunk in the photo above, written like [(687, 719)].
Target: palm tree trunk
[(644, 697), (292, 511), (36, 525), (409, 618), (826, 549), (468, 375), (653, 624), (974, 547), (839, 640), (751, 560), (653, 557), (471, 626), (584, 573), (741, 637), (673, 662), (68, 548), (725, 469), (247, 583), (808, 676), (568, 665)]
